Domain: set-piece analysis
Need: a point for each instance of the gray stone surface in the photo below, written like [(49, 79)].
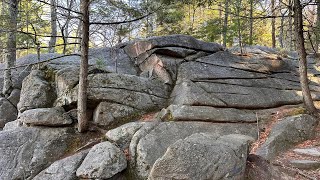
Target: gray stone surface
[(122, 135), (308, 151), (210, 114), (27, 151), (14, 97), (137, 92), (203, 156), (151, 141), (45, 117), (36, 92), (12, 125), (286, 133), (113, 115), (103, 161), (64, 169), (184, 41), (7, 112), (305, 164)]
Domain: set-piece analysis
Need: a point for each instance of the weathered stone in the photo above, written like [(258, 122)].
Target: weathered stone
[(122, 135), (286, 133), (66, 79), (184, 41), (308, 151), (188, 93), (14, 97), (305, 164), (111, 114), (175, 51), (63, 169), (133, 91), (12, 125), (148, 144), (7, 112), (103, 161), (210, 114), (203, 156), (27, 151), (36, 92), (45, 117)]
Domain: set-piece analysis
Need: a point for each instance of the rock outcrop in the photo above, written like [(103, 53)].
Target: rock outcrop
[(169, 107)]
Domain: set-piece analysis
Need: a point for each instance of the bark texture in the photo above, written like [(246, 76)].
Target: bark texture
[(83, 82), (298, 23)]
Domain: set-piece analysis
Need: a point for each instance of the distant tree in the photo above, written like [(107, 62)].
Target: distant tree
[(53, 38)]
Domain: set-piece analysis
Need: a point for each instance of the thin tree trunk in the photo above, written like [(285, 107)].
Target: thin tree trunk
[(225, 24), (281, 31), (251, 23), (298, 25), (318, 27), (10, 59), (290, 26), (239, 26), (66, 27), (83, 82), (273, 24), (53, 38)]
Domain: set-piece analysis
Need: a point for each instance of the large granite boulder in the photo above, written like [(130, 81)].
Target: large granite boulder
[(103, 161), (183, 41), (8, 112), (36, 92), (151, 141), (203, 156), (286, 133), (139, 93), (27, 151)]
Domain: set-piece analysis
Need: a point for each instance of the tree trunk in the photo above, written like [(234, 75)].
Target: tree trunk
[(318, 27), (251, 23), (66, 27), (273, 24), (298, 25), (53, 38), (281, 31), (225, 24), (83, 82), (239, 26), (290, 26), (10, 59)]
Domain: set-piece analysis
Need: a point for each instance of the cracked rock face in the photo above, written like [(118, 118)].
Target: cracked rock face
[(27, 151), (203, 156)]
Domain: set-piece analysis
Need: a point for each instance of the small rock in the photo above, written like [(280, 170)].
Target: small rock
[(305, 164), (45, 117), (310, 152), (123, 134), (111, 114), (103, 161), (14, 97)]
